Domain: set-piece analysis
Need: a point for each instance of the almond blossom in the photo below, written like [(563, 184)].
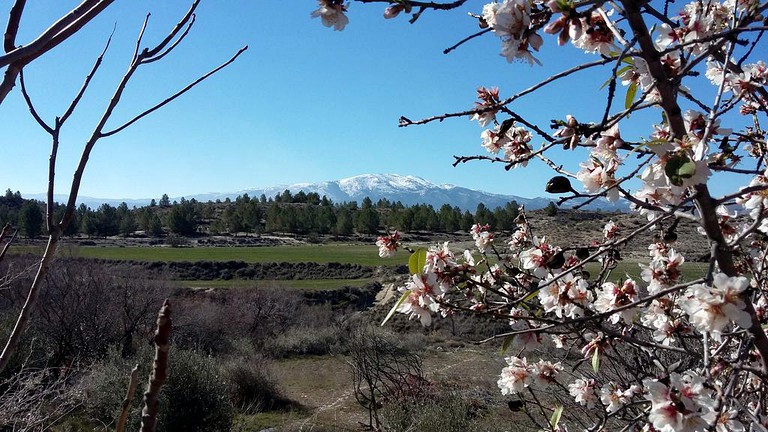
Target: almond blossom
[(610, 230), (510, 20), (664, 268), (537, 258), (597, 175), (488, 98), (596, 36), (422, 300), (612, 296), (614, 398), (546, 372), (331, 12), (583, 392), (567, 296), (388, 244), (712, 308), (516, 376), (514, 142), (483, 238)]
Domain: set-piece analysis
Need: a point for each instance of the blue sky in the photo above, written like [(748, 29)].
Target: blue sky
[(303, 104)]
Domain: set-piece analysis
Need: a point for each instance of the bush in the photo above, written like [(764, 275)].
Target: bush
[(194, 397), (251, 386), (298, 341), (105, 385), (440, 410), (174, 240)]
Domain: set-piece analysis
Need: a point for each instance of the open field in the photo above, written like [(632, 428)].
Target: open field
[(316, 284), (352, 254), (323, 254)]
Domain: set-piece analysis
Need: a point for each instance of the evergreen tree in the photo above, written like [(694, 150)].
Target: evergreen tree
[(107, 221), (183, 219), (551, 209), (31, 219), (367, 220), (344, 225)]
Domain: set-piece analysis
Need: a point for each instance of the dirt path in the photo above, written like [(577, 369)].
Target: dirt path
[(330, 395)]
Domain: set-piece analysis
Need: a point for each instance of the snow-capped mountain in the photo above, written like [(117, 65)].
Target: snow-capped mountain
[(409, 190)]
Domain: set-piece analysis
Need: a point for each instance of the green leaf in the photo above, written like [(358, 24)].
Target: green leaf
[(631, 92), (530, 296), (556, 416), (596, 360), (417, 261), (628, 60), (608, 81), (679, 167), (507, 342), (618, 74), (394, 308)]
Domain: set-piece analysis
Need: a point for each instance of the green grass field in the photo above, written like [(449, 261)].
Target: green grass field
[(352, 254), (317, 284), (689, 270)]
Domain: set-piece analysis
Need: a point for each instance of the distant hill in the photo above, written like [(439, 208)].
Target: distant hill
[(409, 190)]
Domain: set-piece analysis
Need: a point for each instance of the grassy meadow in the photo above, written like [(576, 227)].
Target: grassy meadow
[(366, 255), (350, 254)]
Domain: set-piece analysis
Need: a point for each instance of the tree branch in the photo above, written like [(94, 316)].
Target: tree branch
[(12, 28)]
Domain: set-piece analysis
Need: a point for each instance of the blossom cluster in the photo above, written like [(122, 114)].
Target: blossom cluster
[(685, 352)]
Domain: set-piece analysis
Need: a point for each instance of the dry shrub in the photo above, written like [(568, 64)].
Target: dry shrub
[(252, 388)]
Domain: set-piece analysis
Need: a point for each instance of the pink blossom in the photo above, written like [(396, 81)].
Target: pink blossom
[(610, 230), (331, 12), (516, 376), (583, 391), (545, 372), (388, 244), (483, 238), (712, 308)]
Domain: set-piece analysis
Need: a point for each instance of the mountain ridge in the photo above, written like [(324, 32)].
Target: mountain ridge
[(407, 189)]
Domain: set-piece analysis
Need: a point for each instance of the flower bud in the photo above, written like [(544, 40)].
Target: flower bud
[(393, 11)]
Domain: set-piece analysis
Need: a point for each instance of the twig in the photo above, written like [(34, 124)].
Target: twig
[(466, 39), (174, 96)]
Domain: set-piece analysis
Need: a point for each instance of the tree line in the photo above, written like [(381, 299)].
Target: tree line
[(299, 213)]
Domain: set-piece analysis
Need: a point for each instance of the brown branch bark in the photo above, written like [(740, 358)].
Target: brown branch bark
[(159, 369), (12, 28)]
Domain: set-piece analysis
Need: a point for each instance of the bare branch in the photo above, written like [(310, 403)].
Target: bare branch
[(12, 28), (175, 95), (172, 34), (423, 5), (31, 106), (87, 81), (407, 122), (173, 45), (465, 40)]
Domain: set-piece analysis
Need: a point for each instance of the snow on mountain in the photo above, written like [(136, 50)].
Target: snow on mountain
[(409, 190)]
